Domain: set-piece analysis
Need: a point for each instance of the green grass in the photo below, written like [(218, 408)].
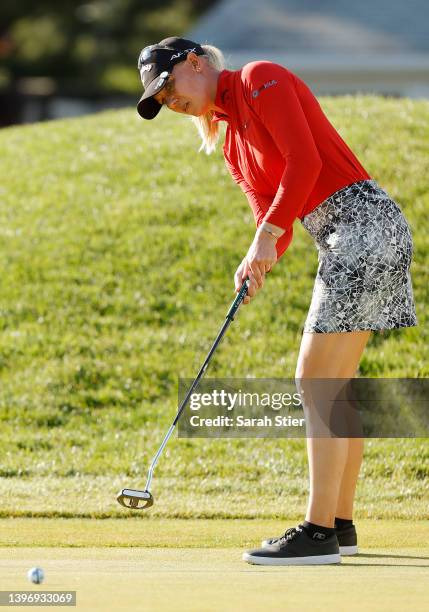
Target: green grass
[(196, 566), (147, 532), (118, 245)]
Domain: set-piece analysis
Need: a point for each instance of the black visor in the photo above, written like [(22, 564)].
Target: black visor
[(155, 64)]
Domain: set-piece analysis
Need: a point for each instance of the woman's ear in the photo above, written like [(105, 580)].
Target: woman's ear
[(193, 58)]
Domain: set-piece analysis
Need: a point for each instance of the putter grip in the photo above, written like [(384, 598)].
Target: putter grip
[(240, 297)]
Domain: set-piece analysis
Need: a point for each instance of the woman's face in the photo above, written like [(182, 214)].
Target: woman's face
[(186, 90)]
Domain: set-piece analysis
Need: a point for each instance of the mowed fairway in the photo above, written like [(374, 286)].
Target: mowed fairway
[(160, 564)]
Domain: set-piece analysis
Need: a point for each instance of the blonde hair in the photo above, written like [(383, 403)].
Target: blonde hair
[(209, 131)]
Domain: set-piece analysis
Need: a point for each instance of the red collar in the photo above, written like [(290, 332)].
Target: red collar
[(223, 95)]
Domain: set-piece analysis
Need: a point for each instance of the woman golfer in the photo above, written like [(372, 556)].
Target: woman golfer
[(292, 164)]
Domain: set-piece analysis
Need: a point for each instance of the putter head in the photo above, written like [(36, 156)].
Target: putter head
[(136, 500)]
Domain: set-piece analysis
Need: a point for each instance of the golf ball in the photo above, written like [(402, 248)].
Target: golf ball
[(36, 575)]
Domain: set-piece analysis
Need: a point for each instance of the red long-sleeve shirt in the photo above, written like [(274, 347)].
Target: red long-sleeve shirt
[(279, 145)]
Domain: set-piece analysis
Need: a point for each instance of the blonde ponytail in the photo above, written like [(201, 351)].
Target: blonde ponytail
[(209, 131)]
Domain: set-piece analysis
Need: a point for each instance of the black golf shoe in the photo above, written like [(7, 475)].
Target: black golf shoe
[(295, 547), (347, 539)]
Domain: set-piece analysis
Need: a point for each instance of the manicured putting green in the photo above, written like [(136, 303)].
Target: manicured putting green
[(111, 567), (210, 579)]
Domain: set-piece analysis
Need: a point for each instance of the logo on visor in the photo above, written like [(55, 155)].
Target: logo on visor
[(176, 55), (146, 53), (162, 78), (144, 56)]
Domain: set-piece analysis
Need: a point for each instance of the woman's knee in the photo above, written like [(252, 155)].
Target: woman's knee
[(330, 355), (323, 371)]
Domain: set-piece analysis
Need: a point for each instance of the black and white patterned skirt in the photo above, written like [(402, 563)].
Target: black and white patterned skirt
[(365, 249)]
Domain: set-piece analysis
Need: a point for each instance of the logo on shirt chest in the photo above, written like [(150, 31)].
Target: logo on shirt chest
[(256, 92)]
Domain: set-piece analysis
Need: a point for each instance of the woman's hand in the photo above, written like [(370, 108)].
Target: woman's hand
[(260, 258)]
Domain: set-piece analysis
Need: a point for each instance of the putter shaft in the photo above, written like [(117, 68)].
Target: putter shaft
[(229, 318)]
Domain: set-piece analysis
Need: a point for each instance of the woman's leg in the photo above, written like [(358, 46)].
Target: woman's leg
[(333, 462), (350, 475)]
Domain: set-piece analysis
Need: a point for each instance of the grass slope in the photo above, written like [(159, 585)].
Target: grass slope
[(118, 246)]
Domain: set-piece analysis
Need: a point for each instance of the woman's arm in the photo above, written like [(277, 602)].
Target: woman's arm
[(256, 201), (270, 91), (259, 205)]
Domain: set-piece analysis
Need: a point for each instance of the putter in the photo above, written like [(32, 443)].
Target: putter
[(141, 500)]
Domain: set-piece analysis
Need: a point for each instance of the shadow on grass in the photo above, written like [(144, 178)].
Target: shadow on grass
[(383, 565), (381, 556), (376, 555)]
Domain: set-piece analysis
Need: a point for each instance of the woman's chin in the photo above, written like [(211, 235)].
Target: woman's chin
[(198, 111)]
